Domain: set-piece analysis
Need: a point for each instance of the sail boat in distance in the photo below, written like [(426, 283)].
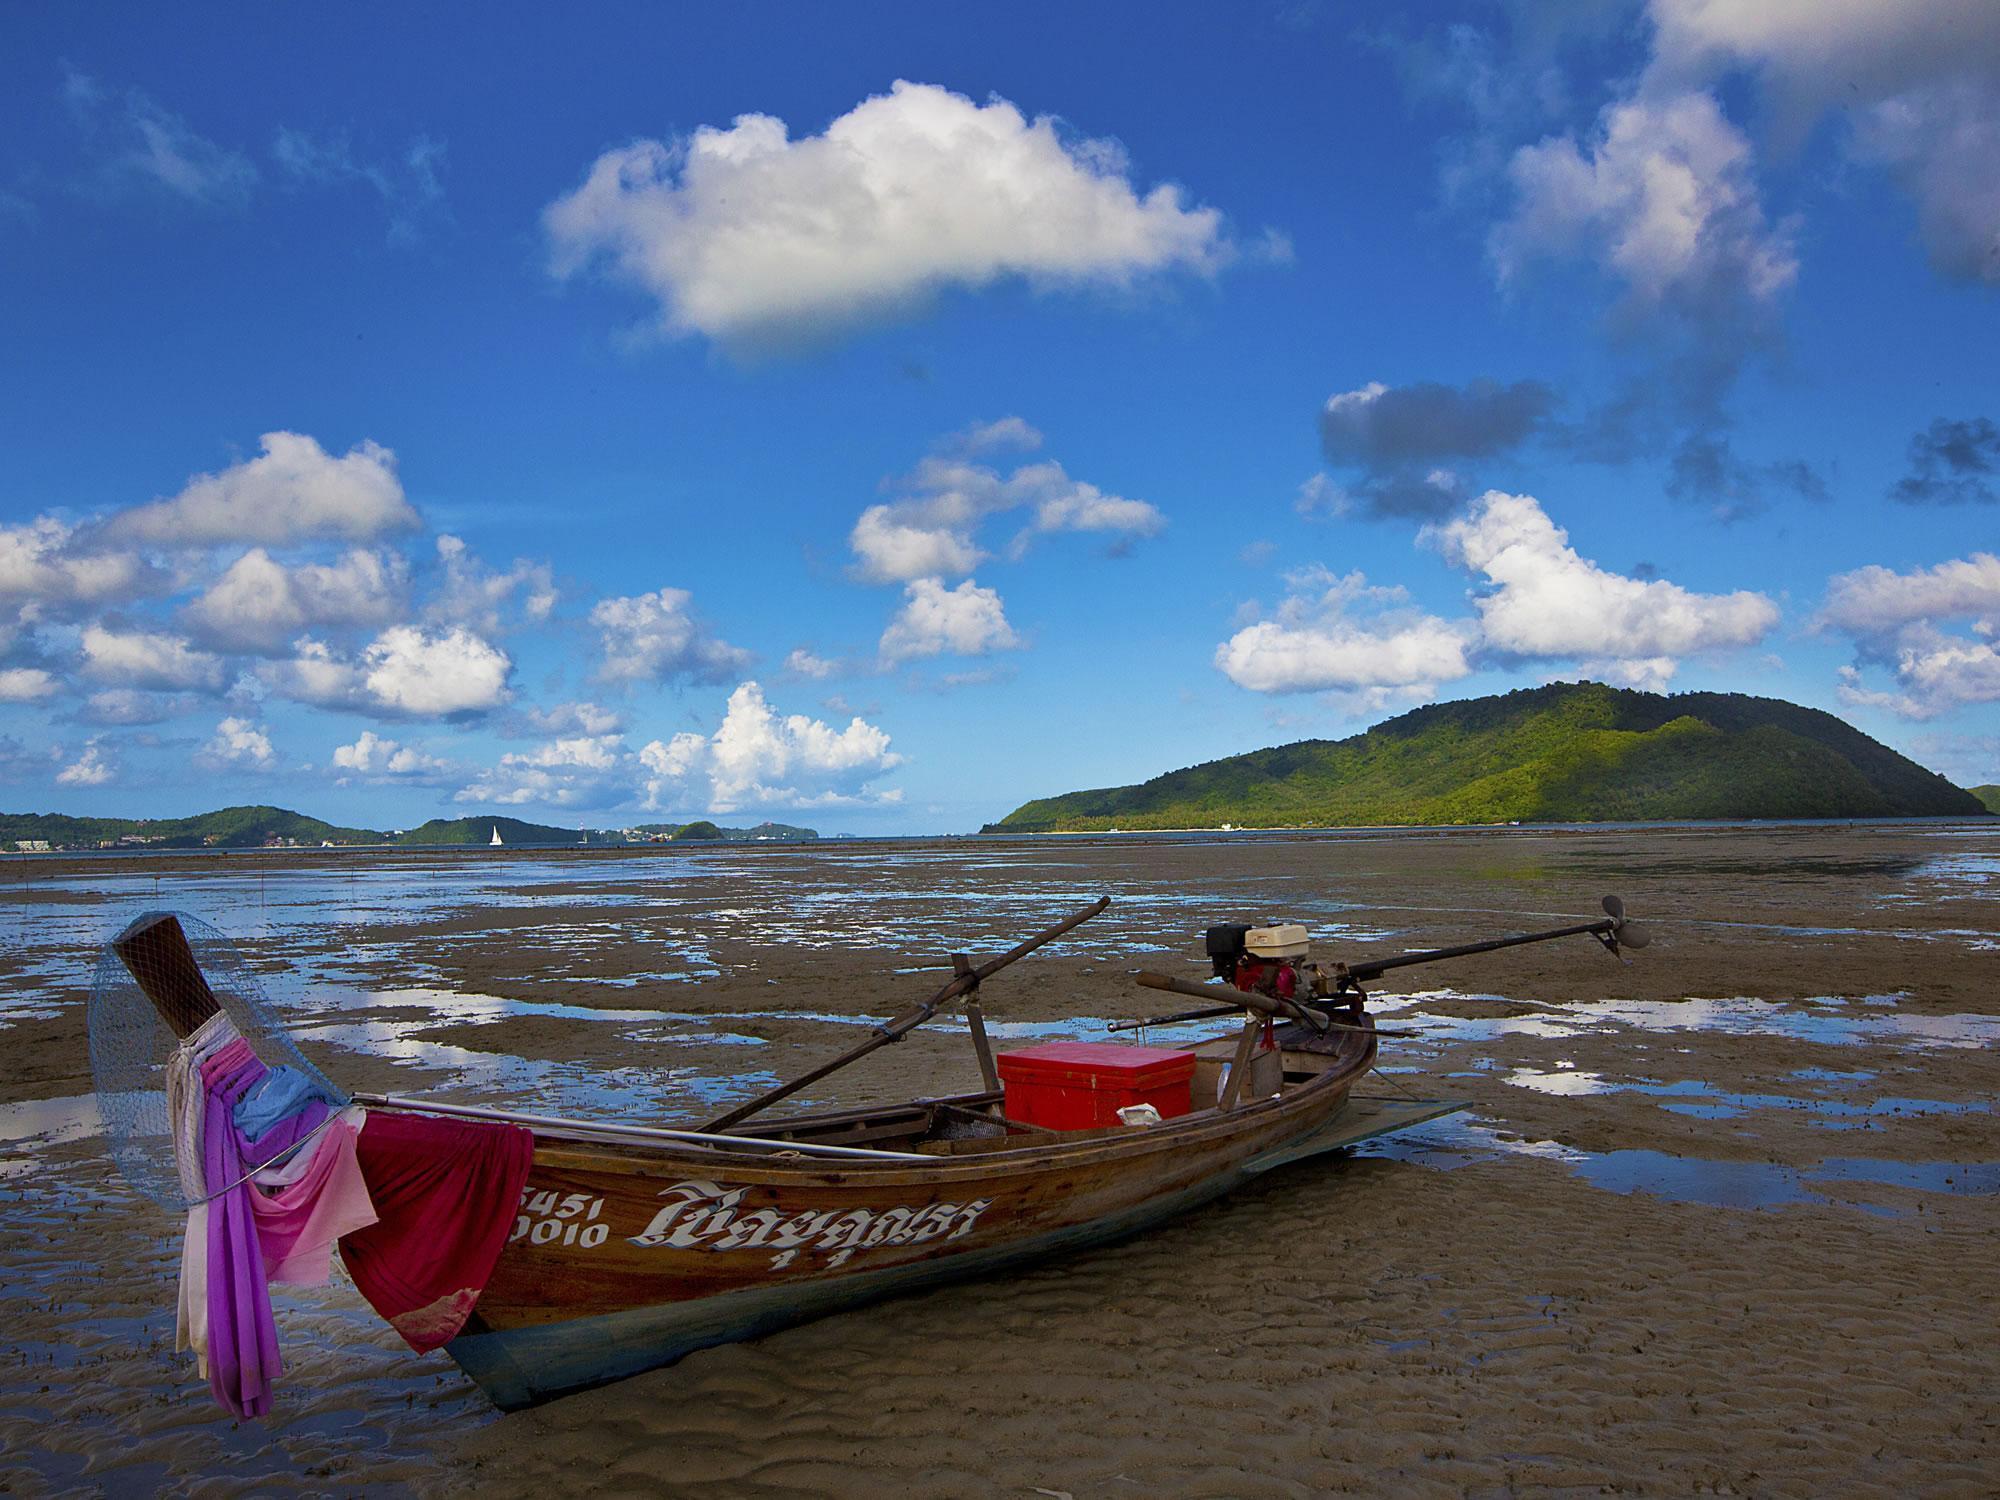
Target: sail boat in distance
[(496, 841)]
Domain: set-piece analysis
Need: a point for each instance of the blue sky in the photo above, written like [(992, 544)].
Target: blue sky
[(410, 415)]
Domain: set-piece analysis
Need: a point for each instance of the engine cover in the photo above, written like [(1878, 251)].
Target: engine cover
[(1284, 940)]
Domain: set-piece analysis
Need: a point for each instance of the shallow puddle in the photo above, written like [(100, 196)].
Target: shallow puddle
[(1461, 1141), (1833, 1022), (1694, 1096)]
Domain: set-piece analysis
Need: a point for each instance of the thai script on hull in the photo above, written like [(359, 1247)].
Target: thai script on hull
[(706, 1216)]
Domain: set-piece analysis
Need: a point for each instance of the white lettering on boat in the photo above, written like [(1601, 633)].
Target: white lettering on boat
[(708, 1216), (547, 1218)]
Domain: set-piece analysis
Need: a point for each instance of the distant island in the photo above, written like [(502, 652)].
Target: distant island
[(278, 828), (1566, 753)]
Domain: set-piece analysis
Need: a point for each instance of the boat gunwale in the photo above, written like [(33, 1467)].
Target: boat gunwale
[(1199, 1127)]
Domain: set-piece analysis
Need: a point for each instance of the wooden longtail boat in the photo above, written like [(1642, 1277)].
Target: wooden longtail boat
[(634, 1246), (628, 1255)]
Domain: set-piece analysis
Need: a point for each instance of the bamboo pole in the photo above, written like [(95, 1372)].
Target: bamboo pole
[(894, 1031)]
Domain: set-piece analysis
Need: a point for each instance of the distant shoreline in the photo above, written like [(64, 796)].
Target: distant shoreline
[(1969, 822)]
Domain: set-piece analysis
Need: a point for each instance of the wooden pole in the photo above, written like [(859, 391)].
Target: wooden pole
[(156, 951), (975, 1018), (1263, 1004), (1375, 968), (910, 1020), (1239, 1067), (1216, 1012)]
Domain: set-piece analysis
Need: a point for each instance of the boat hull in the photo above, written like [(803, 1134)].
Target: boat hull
[(686, 1261)]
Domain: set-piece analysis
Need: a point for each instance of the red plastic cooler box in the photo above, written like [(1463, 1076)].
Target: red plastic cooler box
[(1083, 1085)]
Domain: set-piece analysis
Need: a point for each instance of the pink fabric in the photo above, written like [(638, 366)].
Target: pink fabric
[(226, 1060), (298, 1224)]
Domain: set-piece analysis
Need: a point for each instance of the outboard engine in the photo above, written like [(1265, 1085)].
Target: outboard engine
[(1264, 959)]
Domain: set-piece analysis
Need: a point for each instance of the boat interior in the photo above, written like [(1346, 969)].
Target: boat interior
[(966, 1124)]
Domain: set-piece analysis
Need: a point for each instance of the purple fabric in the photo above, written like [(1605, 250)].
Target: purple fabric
[(287, 1133), (242, 1334)]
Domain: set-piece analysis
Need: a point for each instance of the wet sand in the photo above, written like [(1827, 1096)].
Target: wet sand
[(1717, 1219)]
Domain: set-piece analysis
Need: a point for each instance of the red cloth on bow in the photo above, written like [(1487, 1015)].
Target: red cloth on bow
[(447, 1192)]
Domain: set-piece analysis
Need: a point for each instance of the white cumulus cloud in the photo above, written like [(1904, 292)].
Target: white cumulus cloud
[(293, 491), (259, 604), (1547, 601), (144, 659), (96, 766), (314, 674), (749, 237), (1917, 81), (407, 671), (967, 621), (1664, 196), (373, 757), (1897, 623), (571, 718), (757, 758), (656, 637), (929, 530), (43, 562), (426, 675), (130, 706), (1874, 600), (239, 743), (804, 663), (25, 684), (890, 549), (483, 599), (1341, 633)]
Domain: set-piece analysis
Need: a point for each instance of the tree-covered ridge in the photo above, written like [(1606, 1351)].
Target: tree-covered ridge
[(228, 828), (456, 831), (265, 827), (1568, 752)]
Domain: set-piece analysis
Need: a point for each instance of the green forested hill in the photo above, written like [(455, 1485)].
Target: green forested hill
[(1569, 752), (480, 831), (258, 827), (1990, 795), (229, 828)]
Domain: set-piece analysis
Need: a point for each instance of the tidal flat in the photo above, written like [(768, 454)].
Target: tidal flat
[(1719, 1217)]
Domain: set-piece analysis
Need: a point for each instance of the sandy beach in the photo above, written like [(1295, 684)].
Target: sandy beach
[(1718, 1219)]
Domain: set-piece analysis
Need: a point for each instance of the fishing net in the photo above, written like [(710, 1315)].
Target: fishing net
[(159, 978)]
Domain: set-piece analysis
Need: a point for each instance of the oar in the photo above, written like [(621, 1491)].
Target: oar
[(909, 1020)]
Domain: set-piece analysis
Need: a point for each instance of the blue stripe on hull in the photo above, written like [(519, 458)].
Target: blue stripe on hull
[(570, 1356)]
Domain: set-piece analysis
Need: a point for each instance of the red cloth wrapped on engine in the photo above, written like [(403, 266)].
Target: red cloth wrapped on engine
[(447, 1192)]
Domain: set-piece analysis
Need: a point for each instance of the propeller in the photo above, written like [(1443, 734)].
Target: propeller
[(1624, 934)]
